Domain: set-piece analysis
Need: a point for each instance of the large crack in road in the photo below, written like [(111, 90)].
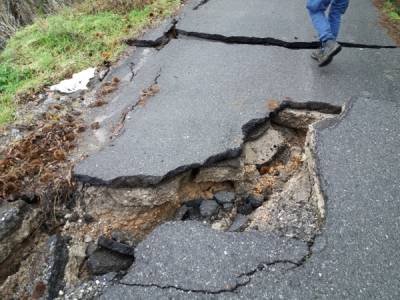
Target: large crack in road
[(270, 184), (271, 187), (171, 32)]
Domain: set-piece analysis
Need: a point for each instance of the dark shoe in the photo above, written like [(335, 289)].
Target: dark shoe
[(317, 54), (330, 49)]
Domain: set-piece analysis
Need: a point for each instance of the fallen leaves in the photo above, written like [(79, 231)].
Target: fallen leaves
[(39, 159), (98, 103), (105, 89), (147, 93), (109, 87)]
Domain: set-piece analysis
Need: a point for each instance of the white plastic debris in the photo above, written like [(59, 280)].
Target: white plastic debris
[(78, 82)]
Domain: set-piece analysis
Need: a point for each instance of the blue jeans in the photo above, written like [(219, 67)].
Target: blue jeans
[(327, 26)]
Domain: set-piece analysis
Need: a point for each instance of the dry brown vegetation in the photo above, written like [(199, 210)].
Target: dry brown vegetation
[(39, 161)]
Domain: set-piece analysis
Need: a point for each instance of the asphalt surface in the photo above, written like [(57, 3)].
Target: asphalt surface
[(208, 92), (221, 262), (282, 20), (356, 256), (207, 96)]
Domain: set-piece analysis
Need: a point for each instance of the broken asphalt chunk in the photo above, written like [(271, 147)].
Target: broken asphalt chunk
[(116, 246), (208, 208), (104, 261)]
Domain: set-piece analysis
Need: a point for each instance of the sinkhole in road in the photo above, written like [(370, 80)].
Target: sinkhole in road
[(272, 186)]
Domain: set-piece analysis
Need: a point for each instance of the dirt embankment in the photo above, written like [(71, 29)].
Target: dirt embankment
[(14, 14)]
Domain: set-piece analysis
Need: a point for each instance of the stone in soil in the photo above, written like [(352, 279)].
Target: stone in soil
[(103, 261), (245, 209), (9, 217), (124, 237), (116, 246), (91, 248), (190, 210), (228, 206), (88, 218), (239, 224), (182, 213), (17, 221), (255, 200), (194, 203), (224, 197), (208, 208)]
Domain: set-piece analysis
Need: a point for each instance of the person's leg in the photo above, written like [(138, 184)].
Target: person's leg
[(329, 46), (316, 9), (337, 9)]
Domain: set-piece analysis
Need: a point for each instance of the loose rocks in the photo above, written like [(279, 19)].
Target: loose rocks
[(17, 221), (239, 224), (182, 213), (224, 197), (208, 208), (255, 200), (124, 237), (103, 261), (116, 246), (245, 209)]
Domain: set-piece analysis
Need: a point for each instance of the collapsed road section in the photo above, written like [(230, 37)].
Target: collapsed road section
[(225, 193), (272, 186)]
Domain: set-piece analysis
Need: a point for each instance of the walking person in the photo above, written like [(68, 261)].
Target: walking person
[(327, 26)]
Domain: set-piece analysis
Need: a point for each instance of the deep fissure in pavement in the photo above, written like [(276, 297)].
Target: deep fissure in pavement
[(269, 41), (174, 33), (272, 186)]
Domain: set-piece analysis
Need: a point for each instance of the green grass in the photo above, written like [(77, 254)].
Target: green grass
[(392, 8), (55, 47)]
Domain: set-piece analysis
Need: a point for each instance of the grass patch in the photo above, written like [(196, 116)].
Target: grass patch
[(392, 8), (55, 47)]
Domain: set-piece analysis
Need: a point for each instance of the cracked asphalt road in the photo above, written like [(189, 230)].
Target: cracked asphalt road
[(282, 20), (204, 90), (208, 91)]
